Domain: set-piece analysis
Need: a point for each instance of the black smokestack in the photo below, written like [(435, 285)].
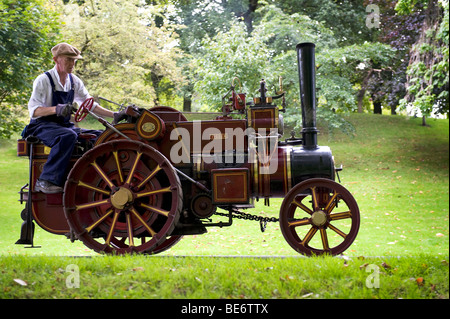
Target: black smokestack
[(307, 77)]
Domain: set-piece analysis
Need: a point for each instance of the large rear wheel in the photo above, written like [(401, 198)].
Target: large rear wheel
[(123, 197)]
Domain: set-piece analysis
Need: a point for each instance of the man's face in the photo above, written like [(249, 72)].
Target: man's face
[(65, 64)]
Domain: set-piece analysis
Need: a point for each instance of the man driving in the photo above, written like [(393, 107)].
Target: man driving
[(50, 108)]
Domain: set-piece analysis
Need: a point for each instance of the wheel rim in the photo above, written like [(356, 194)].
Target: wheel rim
[(319, 216), (167, 244), (122, 197)]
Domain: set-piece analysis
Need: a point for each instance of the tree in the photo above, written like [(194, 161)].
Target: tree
[(428, 70), (346, 19), (400, 32), (193, 21), (128, 57), (267, 53), (28, 30)]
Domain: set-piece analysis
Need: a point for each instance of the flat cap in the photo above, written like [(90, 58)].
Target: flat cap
[(66, 49)]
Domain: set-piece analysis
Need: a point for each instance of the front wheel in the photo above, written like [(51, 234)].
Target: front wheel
[(319, 216)]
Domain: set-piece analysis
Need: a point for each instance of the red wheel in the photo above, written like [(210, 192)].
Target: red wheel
[(84, 109), (122, 197), (319, 216)]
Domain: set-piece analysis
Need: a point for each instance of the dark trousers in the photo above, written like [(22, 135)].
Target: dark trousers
[(61, 138)]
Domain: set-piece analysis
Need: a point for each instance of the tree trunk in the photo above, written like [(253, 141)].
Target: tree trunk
[(424, 120), (187, 104), (360, 99), (248, 15), (393, 108), (376, 107)]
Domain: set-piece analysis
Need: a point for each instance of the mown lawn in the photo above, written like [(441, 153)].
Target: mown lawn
[(397, 170), (159, 277)]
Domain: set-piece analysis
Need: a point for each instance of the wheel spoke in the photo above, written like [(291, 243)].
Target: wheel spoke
[(100, 220), (133, 168), (309, 236), (102, 174), (343, 215), (155, 210), (300, 222), (302, 206), (152, 174), (113, 225), (338, 231), (315, 199), (150, 230), (154, 192), (96, 189), (119, 169), (93, 204), (130, 230), (323, 235), (331, 203)]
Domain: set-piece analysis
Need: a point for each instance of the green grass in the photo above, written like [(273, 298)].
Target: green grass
[(217, 278), (397, 170)]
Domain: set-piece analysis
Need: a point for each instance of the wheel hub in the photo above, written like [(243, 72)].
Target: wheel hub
[(121, 198), (319, 218)]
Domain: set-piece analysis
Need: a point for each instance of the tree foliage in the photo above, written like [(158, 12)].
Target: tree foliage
[(127, 57), (167, 51), (269, 52), (399, 32), (428, 70), (28, 30), (266, 53)]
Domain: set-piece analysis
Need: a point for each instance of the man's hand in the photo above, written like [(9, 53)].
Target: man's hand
[(64, 110), (119, 116)]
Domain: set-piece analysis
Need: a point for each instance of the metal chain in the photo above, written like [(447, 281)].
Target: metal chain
[(241, 215)]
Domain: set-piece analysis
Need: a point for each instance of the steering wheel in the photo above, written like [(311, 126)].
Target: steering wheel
[(84, 109)]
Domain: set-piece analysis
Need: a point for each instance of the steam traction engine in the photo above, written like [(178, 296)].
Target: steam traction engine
[(148, 181)]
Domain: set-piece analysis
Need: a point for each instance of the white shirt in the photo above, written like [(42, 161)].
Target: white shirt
[(42, 90)]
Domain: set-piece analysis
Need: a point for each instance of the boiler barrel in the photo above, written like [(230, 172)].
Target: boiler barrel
[(289, 166), (294, 165)]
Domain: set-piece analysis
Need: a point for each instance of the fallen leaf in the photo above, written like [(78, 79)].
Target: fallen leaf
[(385, 266), (364, 266), (439, 235), (420, 281), (138, 269), (21, 282)]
